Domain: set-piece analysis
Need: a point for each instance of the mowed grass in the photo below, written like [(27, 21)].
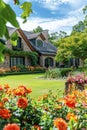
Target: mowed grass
[(38, 85)]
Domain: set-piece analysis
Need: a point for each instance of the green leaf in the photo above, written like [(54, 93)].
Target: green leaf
[(7, 33), (1, 50), (2, 26), (14, 38), (26, 7), (1, 47), (1, 57), (9, 15)]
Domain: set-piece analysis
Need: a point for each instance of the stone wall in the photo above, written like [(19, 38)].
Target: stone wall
[(42, 60), (6, 63)]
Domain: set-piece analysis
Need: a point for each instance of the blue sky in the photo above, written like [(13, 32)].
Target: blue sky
[(54, 15)]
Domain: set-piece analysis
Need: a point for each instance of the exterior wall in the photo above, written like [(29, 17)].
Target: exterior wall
[(45, 33), (6, 63), (25, 46), (42, 60), (39, 38)]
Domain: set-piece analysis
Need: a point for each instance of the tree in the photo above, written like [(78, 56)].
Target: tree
[(79, 27), (55, 37), (74, 46), (63, 52), (38, 29), (8, 15)]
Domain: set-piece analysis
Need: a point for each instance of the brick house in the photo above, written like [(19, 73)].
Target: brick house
[(30, 42)]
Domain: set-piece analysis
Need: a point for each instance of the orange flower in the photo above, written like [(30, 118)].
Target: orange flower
[(5, 113), (37, 127), (21, 91), (71, 116), (60, 124), (70, 101), (1, 104), (22, 102), (5, 99), (29, 90), (6, 86), (11, 127)]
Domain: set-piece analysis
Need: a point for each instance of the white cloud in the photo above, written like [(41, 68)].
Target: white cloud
[(53, 25), (6, 1), (54, 4)]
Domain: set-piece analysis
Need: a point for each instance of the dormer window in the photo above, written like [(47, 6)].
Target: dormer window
[(39, 43), (19, 45)]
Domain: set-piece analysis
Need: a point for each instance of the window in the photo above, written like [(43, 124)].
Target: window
[(14, 61), (39, 43), (49, 62), (19, 45)]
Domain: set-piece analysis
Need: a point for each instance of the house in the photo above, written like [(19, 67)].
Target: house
[(30, 42)]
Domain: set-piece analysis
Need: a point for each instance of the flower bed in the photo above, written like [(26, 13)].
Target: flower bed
[(75, 82), (19, 112)]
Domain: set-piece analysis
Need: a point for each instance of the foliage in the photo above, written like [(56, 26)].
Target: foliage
[(38, 29), (79, 27), (73, 46), (53, 73), (8, 15), (32, 55), (57, 72), (49, 112), (65, 71), (55, 37)]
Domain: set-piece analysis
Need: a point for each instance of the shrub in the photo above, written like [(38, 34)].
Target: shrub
[(57, 72), (65, 71), (52, 73)]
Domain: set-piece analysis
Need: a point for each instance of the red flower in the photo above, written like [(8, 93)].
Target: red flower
[(70, 101), (60, 124), (5, 113), (11, 127), (1, 104), (22, 102), (1, 89), (28, 90)]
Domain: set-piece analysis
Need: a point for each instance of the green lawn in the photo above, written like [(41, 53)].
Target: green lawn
[(38, 85)]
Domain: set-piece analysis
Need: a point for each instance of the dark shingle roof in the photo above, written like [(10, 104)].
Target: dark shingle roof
[(47, 48)]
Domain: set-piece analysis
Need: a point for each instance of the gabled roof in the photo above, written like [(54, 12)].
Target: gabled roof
[(47, 48), (30, 38), (31, 35)]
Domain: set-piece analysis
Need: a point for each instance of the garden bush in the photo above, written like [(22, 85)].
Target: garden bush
[(65, 71), (57, 72), (50, 112), (53, 73)]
